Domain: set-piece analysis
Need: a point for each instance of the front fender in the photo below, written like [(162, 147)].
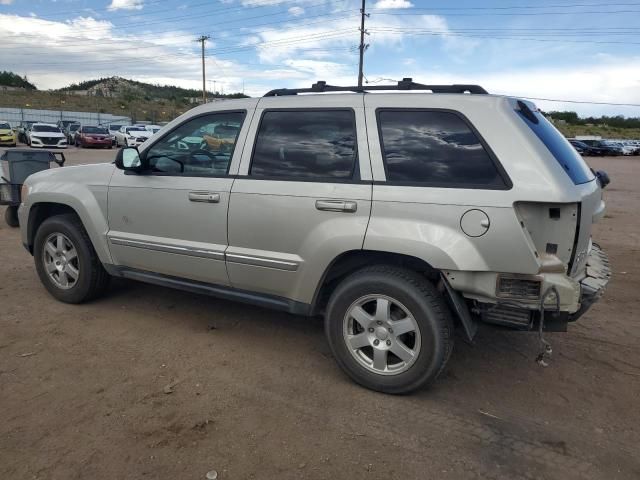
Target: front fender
[(72, 187)]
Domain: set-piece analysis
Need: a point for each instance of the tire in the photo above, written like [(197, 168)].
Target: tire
[(11, 217), (91, 279), (408, 292)]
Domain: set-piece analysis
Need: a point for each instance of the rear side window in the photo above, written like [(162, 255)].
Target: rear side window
[(560, 148), (305, 145), (435, 148)]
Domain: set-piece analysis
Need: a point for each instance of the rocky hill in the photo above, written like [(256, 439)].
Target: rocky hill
[(118, 87)]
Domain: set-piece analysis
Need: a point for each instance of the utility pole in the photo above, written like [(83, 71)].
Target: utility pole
[(202, 39), (363, 47)]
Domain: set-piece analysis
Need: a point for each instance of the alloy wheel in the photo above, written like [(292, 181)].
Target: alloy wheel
[(61, 262), (381, 334)]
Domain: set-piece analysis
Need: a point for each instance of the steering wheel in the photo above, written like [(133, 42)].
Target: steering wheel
[(212, 156)]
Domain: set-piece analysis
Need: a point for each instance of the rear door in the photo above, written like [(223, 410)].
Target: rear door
[(303, 195)]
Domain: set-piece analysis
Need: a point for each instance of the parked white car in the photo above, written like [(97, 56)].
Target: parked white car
[(113, 129), (131, 136), (46, 135), (153, 128)]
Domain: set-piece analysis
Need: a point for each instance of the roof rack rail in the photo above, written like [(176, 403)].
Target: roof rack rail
[(404, 84)]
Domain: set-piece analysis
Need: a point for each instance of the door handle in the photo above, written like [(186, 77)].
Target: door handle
[(337, 205), (205, 197)]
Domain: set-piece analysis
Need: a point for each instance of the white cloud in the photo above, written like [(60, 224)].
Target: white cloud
[(392, 4), (6, 2), (126, 5), (612, 80), (296, 11)]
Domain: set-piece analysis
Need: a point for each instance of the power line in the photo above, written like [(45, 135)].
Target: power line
[(137, 25), (528, 7), (495, 37), (324, 18), (520, 14), (585, 102)]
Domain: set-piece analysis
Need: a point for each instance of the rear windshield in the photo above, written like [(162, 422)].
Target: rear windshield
[(560, 148)]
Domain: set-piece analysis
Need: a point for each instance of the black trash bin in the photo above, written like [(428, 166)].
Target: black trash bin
[(15, 166)]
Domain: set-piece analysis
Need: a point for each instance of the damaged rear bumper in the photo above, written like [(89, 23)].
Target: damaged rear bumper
[(592, 286)]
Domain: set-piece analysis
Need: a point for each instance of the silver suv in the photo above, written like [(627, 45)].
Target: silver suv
[(396, 215)]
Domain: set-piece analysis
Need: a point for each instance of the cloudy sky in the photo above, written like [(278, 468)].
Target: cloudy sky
[(584, 50)]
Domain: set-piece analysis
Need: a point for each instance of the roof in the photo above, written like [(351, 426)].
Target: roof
[(406, 84)]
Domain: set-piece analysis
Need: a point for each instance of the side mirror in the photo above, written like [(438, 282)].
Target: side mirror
[(128, 159), (603, 178)]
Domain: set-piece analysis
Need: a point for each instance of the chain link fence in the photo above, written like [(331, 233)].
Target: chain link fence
[(16, 115)]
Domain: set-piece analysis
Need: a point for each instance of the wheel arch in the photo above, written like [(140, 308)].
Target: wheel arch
[(353, 260), (350, 261), (40, 211)]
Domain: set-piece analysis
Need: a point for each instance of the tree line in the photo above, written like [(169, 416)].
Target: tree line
[(617, 121), (10, 79)]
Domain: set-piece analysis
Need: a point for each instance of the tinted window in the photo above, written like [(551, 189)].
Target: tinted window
[(560, 148), (434, 148), (202, 146), (317, 144)]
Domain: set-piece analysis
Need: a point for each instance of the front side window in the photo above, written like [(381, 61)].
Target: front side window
[(435, 148), (202, 146), (305, 145)]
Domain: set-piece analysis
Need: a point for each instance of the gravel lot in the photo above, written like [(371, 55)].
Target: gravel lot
[(256, 394)]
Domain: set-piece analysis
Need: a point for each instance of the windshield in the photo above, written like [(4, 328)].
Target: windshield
[(5, 126), (74, 127), (113, 126), (135, 129), (557, 144), (45, 128), (95, 130)]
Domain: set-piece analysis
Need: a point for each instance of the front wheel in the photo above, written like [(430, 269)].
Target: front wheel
[(389, 329), (66, 262)]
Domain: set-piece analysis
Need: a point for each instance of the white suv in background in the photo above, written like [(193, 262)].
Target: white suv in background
[(46, 135)]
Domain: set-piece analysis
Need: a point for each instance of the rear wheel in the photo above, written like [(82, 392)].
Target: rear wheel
[(389, 329), (66, 262), (11, 217)]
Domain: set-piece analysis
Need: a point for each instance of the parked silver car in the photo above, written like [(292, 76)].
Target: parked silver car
[(396, 216)]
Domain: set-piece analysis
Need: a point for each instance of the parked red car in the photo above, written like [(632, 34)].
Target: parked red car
[(92, 136)]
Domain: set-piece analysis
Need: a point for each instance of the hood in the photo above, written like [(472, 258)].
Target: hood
[(139, 134), (6, 131), (97, 174), (48, 134)]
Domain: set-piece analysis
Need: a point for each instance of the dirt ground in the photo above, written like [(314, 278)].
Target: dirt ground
[(256, 394)]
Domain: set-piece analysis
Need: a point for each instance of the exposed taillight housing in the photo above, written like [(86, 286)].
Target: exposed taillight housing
[(517, 286)]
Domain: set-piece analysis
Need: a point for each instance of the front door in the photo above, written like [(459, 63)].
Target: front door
[(172, 218)]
